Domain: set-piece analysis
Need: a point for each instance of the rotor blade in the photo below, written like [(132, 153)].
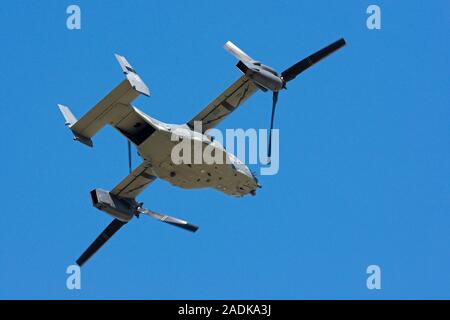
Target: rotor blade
[(235, 51), (129, 156), (274, 105), (170, 220), (290, 73), (110, 230)]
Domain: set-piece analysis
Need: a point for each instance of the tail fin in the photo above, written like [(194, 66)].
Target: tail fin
[(134, 79), (68, 115), (70, 121), (111, 109)]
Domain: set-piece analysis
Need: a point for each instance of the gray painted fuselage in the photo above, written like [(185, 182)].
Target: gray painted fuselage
[(230, 176)]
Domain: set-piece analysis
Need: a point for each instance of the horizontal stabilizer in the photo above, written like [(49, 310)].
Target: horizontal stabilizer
[(112, 109)]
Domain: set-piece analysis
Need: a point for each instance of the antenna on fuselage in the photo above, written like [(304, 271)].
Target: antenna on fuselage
[(129, 156)]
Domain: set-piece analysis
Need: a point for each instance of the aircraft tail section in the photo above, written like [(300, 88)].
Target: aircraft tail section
[(132, 76), (114, 107)]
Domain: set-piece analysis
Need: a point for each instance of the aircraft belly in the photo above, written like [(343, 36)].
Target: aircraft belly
[(196, 176), (157, 148), (222, 177)]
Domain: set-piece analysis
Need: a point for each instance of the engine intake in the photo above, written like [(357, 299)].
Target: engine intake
[(263, 76), (120, 208)]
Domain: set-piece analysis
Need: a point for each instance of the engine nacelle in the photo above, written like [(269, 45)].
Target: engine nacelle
[(263, 76), (120, 208)]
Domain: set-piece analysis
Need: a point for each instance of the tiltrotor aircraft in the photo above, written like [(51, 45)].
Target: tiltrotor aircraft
[(152, 138)]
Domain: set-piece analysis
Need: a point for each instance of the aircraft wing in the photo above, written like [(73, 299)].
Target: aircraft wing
[(225, 103), (135, 182)]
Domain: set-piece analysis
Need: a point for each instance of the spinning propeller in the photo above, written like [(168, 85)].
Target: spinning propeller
[(135, 209), (267, 78), (116, 224)]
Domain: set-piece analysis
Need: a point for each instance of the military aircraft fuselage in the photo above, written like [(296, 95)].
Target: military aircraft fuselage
[(208, 165)]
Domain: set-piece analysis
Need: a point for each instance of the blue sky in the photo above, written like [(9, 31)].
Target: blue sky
[(364, 154)]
